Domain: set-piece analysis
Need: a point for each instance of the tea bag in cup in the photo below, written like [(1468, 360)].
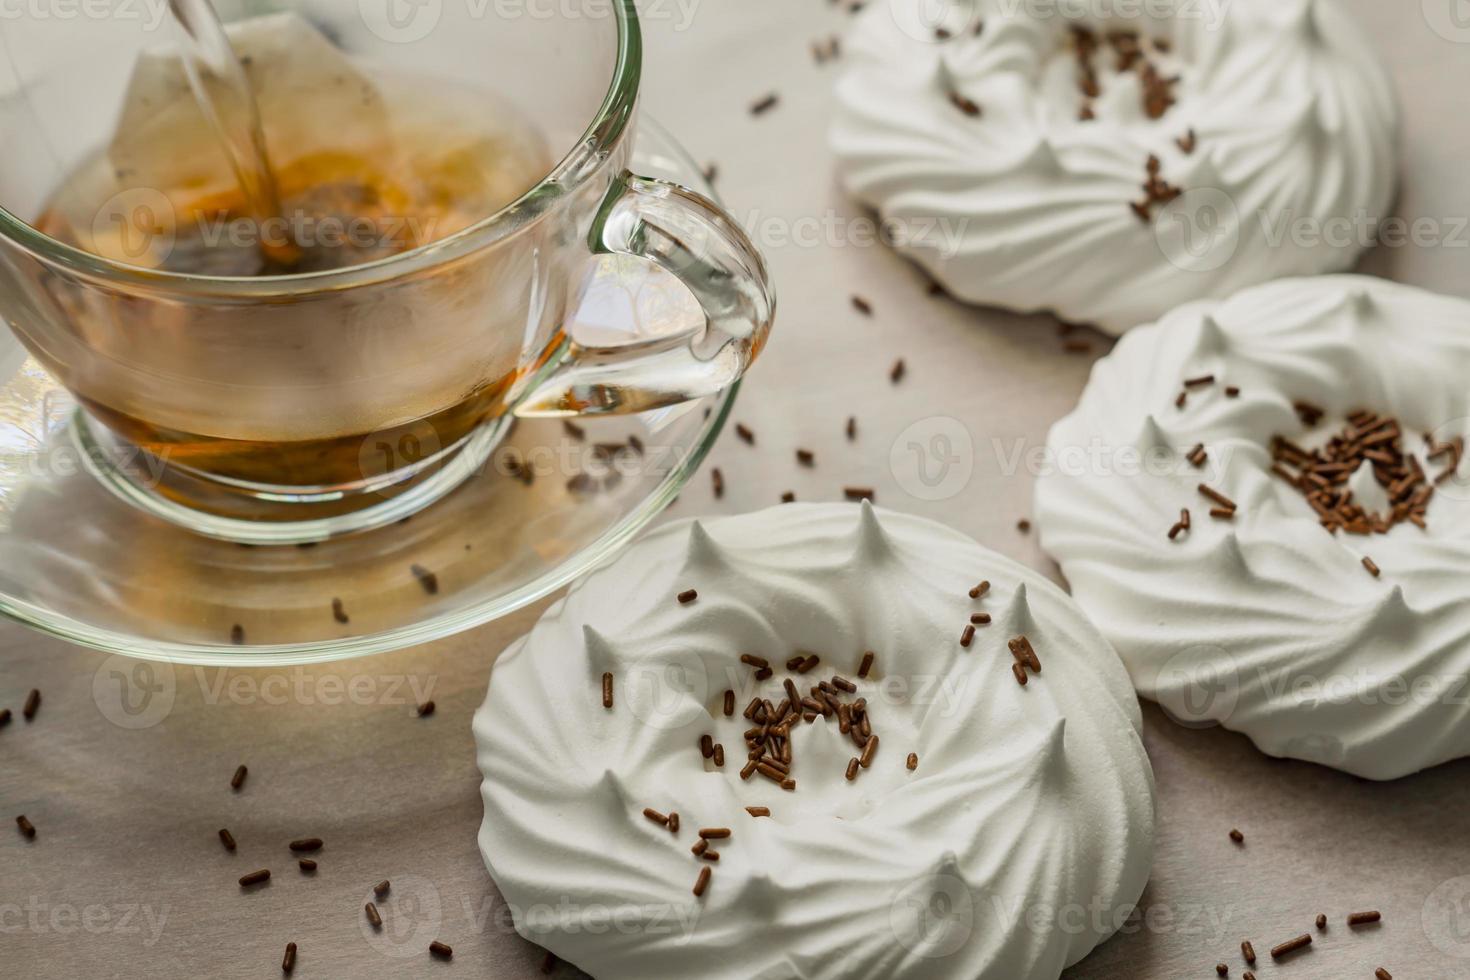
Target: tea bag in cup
[(219, 208)]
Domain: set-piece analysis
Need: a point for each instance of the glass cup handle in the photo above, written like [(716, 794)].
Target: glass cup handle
[(691, 237)]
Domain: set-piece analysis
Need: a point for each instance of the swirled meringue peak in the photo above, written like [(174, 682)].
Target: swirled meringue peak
[(1014, 839), (1314, 596), (1032, 155)]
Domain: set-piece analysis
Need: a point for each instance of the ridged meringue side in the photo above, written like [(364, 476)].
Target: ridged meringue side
[(1295, 121), (1267, 623), (1026, 800)]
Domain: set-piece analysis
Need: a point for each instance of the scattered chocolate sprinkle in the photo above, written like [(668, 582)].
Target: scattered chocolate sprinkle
[(866, 759), (851, 428), (238, 779), (765, 104), (573, 429), (607, 691), (749, 769), (306, 844), (255, 878), (968, 636), (763, 674), (237, 635), (866, 665), (809, 664), (1077, 347), (288, 962), (729, 703), (858, 493), (441, 950), (806, 457), (1247, 975), (674, 817), (896, 373), (702, 882), (427, 579), (32, 705), (1231, 391), (655, 816), (1019, 673), (4, 717), (1225, 502), (788, 497), (1291, 946), (687, 596), (374, 919), (717, 482), (1309, 414), (1197, 456), (1237, 836), (581, 483), (719, 756), (852, 769), (1024, 653), (745, 434), (714, 833), (1024, 526), (1372, 566), (1181, 400), (1322, 921), (700, 846), (758, 811), (1222, 969), (228, 839), (1186, 143), (913, 761), (965, 104), (1199, 382), (27, 828), (1382, 974), (980, 619), (980, 590), (1223, 513), (1364, 918), (862, 306), (339, 612), (1181, 525), (710, 855), (843, 684), (1248, 951), (307, 865), (754, 661), (711, 171), (426, 709)]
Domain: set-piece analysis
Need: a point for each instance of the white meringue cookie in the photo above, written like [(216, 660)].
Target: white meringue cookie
[(1027, 207), (1268, 623), (1021, 842)]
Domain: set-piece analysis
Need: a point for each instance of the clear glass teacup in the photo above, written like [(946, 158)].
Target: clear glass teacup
[(345, 394)]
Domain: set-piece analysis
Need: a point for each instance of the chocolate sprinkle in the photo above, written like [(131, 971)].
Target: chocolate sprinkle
[(288, 962), (32, 705), (228, 839), (238, 779), (765, 104), (255, 878), (441, 950), (374, 919), (1291, 946), (427, 579), (26, 827)]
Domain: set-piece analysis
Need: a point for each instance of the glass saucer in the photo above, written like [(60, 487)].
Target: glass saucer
[(549, 503)]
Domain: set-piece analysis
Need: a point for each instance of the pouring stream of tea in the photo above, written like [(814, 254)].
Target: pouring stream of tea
[(233, 115)]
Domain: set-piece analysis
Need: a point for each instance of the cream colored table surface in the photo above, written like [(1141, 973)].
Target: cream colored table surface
[(127, 879)]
